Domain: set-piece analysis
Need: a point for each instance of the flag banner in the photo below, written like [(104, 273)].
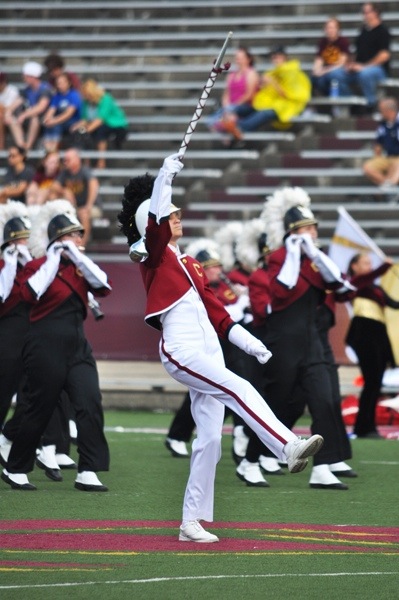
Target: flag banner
[(350, 239), (390, 284)]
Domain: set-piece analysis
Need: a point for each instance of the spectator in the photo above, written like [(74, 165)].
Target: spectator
[(284, 93), (39, 189), (102, 118), (8, 94), (331, 58), (55, 66), (241, 86), (77, 184), (383, 168), (63, 113), (17, 177), (370, 65), (27, 109)]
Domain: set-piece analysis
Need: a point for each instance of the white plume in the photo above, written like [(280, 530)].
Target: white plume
[(275, 208), (42, 216), (226, 237), (10, 210), (247, 248), (203, 244)]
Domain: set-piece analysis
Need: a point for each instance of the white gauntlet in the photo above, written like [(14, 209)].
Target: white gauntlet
[(95, 276), (24, 256), (241, 338), (8, 272), (161, 197), (289, 272), (329, 271), (41, 280)]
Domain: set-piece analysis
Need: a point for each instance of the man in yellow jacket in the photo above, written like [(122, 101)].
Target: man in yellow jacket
[(284, 94)]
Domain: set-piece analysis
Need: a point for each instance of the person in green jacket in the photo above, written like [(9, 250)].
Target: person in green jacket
[(102, 118)]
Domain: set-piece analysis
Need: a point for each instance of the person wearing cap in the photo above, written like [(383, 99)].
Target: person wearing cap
[(23, 115), (14, 321), (284, 93), (182, 306), (300, 275), (8, 94), (56, 353), (17, 176)]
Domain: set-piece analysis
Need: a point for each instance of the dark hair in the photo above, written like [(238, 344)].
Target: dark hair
[(54, 61), (248, 54), (353, 261), (20, 149)]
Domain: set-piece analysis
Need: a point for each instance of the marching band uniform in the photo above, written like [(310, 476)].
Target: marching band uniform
[(368, 323), (183, 307), (14, 321), (58, 357), (299, 275)]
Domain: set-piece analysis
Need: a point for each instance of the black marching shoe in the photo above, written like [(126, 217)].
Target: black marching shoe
[(87, 481), (53, 474), (25, 486), (321, 478)]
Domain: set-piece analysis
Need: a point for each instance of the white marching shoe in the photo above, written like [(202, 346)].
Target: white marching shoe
[(298, 451), (64, 461), (251, 474), (177, 448), (192, 531), (17, 481), (45, 459), (321, 478), (341, 469), (87, 481), (270, 465), (240, 443)]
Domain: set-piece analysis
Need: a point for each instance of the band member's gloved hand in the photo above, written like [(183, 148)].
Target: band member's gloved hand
[(40, 281), (8, 272), (308, 246), (24, 256), (172, 165), (241, 338), (289, 272), (95, 276)]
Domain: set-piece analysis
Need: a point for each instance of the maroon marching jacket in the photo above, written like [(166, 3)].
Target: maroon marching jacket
[(15, 295), (168, 277), (67, 281), (259, 295), (281, 295)]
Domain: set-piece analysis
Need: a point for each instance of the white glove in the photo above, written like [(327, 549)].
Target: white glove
[(236, 310), (289, 272), (9, 271), (308, 245), (241, 338), (172, 164), (161, 197), (95, 276), (41, 280), (24, 256)]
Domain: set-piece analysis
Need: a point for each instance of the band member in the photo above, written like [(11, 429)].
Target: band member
[(56, 354), (182, 306)]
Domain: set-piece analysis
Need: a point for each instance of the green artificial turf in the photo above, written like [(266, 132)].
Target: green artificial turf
[(147, 484)]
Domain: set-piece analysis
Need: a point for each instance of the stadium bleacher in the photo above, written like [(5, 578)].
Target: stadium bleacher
[(155, 56)]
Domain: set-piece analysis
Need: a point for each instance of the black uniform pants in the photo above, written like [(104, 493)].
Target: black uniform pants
[(58, 357)]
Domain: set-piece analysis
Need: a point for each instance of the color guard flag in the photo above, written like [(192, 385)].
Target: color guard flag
[(350, 239)]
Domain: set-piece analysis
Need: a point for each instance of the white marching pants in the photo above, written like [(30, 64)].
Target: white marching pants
[(212, 386)]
